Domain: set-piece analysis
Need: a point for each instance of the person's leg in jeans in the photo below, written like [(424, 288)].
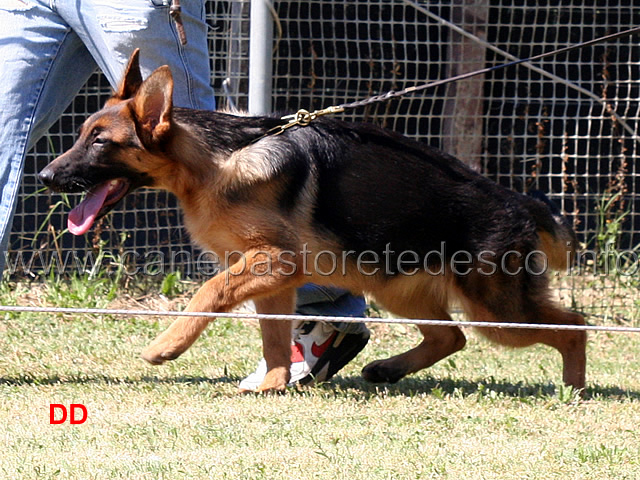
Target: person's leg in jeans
[(47, 54), (112, 29), (42, 67)]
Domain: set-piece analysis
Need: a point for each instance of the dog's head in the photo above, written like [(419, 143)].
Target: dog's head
[(114, 153)]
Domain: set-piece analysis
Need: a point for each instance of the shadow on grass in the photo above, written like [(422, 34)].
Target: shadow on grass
[(27, 380), (447, 386), (439, 387)]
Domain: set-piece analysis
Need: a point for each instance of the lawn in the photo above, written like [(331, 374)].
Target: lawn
[(485, 413)]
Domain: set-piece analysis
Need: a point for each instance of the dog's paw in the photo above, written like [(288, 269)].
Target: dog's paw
[(275, 381), (157, 353), (267, 390), (382, 371)]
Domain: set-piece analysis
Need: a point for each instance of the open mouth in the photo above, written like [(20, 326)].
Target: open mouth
[(97, 202)]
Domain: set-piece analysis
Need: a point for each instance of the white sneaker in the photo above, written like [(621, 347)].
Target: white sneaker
[(318, 351)]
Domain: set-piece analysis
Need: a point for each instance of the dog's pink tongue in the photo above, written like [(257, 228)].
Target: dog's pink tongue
[(83, 215)]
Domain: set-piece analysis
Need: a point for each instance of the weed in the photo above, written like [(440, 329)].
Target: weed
[(568, 395), (609, 232), (172, 285)]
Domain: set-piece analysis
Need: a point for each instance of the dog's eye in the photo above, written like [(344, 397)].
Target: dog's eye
[(100, 141)]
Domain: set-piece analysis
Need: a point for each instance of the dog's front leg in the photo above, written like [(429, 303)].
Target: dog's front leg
[(259, 273), (276, 340)]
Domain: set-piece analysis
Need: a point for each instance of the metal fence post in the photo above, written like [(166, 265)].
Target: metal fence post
[(260, 57)]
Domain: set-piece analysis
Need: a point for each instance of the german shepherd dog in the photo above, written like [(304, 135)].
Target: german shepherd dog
[(334, 203)]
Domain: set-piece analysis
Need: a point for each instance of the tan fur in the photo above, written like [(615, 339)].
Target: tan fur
[(560, 251)]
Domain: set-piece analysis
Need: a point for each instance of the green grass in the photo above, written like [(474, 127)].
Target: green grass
[(485, 413)]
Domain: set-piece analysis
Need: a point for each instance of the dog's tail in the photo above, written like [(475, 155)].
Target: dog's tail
[(557, 239)]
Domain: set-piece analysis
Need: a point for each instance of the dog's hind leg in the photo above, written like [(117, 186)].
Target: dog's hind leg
[(423, 297), (438, 343), (570, 343)]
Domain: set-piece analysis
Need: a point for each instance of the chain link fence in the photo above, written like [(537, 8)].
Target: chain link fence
[(564, 126)]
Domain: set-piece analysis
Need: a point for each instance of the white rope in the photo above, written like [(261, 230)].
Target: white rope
[(318, 318)]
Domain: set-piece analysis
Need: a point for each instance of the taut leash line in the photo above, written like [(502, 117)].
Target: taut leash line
[(303, 117)]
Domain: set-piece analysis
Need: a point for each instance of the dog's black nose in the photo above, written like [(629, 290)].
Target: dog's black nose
[(46, 176)]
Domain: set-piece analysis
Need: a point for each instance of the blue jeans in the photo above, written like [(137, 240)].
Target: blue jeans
[(49, 49), (318, 300)]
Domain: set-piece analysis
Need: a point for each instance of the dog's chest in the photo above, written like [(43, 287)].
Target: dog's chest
[(210, 238), (207, 229)]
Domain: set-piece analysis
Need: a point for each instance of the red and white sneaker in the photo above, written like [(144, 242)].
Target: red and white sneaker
[(318, 352)]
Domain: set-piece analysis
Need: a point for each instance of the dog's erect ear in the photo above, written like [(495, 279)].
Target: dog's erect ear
[(132, 78), (153, 104)]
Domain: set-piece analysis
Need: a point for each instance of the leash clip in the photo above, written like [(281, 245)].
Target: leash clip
[(301, 118)]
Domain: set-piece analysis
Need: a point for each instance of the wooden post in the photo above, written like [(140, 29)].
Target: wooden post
[(463, 109)]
